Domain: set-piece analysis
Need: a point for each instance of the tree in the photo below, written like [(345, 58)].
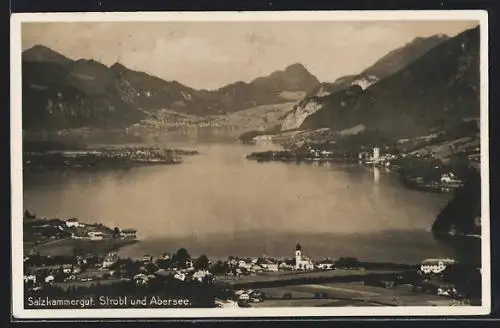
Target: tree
[(29, 215), (150, 268), (116, 232), (181, 257), (201, 263)]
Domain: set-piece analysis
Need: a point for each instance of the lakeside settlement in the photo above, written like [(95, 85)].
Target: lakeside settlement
[(100, 158), (65, 259)]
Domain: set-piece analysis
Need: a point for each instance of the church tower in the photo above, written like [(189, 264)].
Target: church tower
[(298, 255)]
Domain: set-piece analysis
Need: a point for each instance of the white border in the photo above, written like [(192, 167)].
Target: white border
[(16, 164)]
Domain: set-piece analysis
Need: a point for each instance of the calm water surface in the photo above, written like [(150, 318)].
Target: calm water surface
[(220, 204)]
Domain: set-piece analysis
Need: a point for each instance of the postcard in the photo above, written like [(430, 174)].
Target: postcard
[(250, 164)]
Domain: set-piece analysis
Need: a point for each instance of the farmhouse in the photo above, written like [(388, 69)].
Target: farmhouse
[(435, 265)]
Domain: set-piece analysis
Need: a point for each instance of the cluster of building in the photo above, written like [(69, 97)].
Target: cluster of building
[(80, 269), (141, 154), (66, 271), (81, 230), (376, 158), (43, 230), (102, 157), (299, 262)]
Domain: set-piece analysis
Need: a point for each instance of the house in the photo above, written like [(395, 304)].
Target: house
[(95, 235), (180, 276), (273, 267), (146, 258), (72, 223), (128, 234), (287, 265), (140, 279), (200, 275), (244, 297), (302, 262), (67, 268), (49, 279), (109, 260), (240, 292), (435, 266), (189, 264), (30, 278), (325, 266), (450, 178)]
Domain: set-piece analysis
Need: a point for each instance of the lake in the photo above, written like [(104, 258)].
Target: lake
[(219, 204)]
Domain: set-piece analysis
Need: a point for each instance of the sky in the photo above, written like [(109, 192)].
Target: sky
[(209, 55)]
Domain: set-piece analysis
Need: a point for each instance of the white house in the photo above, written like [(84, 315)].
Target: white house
[(146, 258), (96, 235), (302, 262), (200, 275), (435, 265), (240, 292), (449, 178), (67, 268), (49, 279), (72, 223), (273, 267), (180, 276), (244, 297), (325, 266), (30, 278), (140, 279), (128, 234)]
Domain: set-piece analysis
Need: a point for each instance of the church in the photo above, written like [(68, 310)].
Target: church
[(302, 262)]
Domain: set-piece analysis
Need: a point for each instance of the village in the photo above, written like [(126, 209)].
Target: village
[(235, 282), (111, 157), (421, 170)]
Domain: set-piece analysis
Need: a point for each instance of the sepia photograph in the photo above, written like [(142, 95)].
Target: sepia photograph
[(250, 164)]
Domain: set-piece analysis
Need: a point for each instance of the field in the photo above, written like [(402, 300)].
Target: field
[(347, 294), (66, 247), (280, 276), (70, 284)]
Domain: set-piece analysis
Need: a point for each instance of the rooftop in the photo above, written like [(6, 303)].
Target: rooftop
[(435, 261)]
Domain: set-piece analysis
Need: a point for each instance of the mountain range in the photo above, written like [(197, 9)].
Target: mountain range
[(59, 92), (422, 85), (426, 83)]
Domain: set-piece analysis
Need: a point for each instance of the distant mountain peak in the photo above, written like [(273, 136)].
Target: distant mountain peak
[(294, 77), (118, 67), (41, 53), (39, 47), (296, 67), (420, 39)]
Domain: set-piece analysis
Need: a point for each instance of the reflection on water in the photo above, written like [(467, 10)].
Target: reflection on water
[(219, 202)]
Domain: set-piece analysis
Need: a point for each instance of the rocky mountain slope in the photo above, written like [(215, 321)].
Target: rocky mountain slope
[(59, 92), (348, 88), (462, 214)]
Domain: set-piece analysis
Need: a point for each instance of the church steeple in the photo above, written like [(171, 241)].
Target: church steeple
[(298, 247)]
